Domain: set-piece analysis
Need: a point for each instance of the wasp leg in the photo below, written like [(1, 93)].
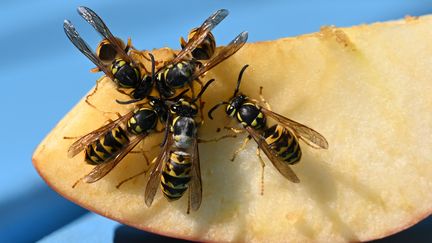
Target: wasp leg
[(91, 94), (151, 148), (258, 153), (199, 82), (235, 130), (225, 125), (201, 111), (108, 114), (130, 178), (143, 152), (94, 107), (143, 54), (136, 175), (122, 91), (217, 139), (263, 100), (140, 173), (78, 181), (87, 100), (142, 65), (189, 203), (242, 147)]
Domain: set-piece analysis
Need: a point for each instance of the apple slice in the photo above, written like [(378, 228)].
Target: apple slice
[(365, 88)]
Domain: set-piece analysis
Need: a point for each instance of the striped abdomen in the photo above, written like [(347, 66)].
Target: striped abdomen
[(283, 143), (102, 149), (176, 175), (205, 50)]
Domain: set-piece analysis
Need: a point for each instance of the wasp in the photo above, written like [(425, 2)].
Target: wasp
[(122, 70), (279, 142), (107, 146), (186, 66), (177, 167)]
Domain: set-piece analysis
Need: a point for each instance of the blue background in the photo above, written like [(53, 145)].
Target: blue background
[(43, 76)]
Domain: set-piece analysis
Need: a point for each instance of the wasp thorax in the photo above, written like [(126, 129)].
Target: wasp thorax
[(184, 108), (249, 114), (143, 120), (126, 76), (184, 130), (176, 76)]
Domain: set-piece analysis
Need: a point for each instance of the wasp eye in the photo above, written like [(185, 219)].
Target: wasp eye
[(230, 110)]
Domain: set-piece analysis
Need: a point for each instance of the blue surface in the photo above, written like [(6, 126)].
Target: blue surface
[(95, 228), (43, 75)]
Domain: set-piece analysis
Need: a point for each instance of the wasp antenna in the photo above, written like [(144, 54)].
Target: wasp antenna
[(203, 90), (179, 95), (239, 79), (209, 114)]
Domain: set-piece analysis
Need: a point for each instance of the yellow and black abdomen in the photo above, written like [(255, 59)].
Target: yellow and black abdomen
[(283, 143), (205, 50), (102, 149), (176, 175)]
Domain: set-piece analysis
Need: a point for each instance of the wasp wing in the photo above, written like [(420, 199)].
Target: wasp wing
[(91, 137), (307, 134), (94, 20), (226, 52), (83, 47), (201, 33), (103, 169), (195, 193), (281, 166), (155, 174)]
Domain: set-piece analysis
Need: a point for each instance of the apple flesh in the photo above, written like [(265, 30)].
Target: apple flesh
[(365, 88)]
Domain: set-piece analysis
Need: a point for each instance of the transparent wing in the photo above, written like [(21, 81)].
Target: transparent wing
[(195, 193), (201, 33), (155, 175), (84, 48), (87, 139), (226, 52), (308, 135), (103, 169), (94, 20), (281, 166)]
